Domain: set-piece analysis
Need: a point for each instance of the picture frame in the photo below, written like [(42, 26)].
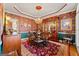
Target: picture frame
[(66, 24)]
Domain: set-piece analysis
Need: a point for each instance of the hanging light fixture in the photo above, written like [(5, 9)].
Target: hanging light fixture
[(38, 8), (38, 20)]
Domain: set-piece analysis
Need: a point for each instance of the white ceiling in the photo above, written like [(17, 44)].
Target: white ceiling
[(47, 8)]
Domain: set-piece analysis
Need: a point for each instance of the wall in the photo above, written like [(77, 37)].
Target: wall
[(71, 15), (59, 18), (22, 21), (1, 17), (77, 28), (1, 10)]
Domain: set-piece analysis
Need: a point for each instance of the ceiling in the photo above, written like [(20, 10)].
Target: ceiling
[(28, 9)]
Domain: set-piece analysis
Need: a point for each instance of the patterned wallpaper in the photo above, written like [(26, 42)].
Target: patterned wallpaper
[(61, 17), (23, 27), (25, 24), (1, 11), (1, 17)]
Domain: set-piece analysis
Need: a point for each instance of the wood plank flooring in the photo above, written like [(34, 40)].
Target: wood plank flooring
[(73, 51)]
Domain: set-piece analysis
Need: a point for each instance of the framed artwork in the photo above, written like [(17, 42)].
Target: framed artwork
[(11, 26), (53, 25), (27, 26), (66, 24)]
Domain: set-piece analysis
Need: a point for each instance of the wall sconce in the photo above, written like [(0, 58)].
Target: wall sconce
[(7, 17)]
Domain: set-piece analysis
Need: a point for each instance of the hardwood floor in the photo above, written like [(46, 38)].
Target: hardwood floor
[(73, 51)]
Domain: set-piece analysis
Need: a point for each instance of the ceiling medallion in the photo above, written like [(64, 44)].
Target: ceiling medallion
[(38, 7)]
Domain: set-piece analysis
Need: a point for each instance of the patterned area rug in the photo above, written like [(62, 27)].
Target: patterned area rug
[(50, 50)]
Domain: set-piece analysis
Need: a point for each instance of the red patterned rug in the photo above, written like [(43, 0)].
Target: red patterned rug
[(50, 50)]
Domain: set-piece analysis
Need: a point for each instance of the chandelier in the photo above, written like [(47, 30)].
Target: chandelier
[(38, 20)]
